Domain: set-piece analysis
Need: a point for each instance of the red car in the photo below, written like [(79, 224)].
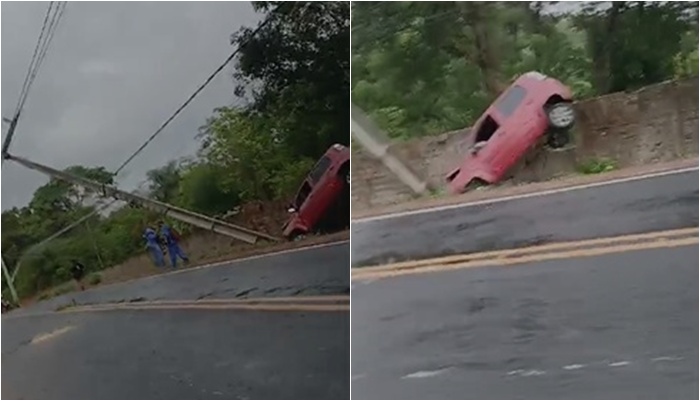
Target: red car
[(533, 106), (322, 204)]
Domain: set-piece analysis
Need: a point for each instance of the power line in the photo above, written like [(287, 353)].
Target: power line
[(35, 54), (196, 92), (45, 36), (41, 54)]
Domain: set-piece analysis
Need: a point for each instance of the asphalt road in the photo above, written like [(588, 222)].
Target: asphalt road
[(314, 271), (661, 203), (189, 354), (616, 326)]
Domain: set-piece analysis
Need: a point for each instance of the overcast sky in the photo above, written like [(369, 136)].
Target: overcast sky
[(114, 73)]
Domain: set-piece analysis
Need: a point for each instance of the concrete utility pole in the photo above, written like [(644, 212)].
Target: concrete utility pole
[(175, 212), (372, 139), (5, 146), (9, 282)]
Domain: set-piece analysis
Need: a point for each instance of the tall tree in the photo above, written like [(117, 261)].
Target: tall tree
[(294, 72)]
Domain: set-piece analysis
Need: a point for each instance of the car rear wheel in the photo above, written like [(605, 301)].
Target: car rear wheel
[(475, 184), (557, 138), (561, 115)]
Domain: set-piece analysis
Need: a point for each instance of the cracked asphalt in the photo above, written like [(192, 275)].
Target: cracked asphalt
[(314, 271), (189, 354)]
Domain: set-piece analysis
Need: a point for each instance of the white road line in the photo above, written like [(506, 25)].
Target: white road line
[(526, 195), (667, 359), (599, 365), (47, 336), (423, 374)]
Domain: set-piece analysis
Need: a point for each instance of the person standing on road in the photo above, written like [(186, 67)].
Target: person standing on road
[(153, 247), (172, 239), (78, 271)]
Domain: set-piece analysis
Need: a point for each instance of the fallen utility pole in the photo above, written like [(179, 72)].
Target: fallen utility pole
[(370, 137), (177, 213)]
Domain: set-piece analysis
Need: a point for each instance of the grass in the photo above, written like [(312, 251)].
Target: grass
[(94, 278), (62, 289), (437, 192), (597, 166)]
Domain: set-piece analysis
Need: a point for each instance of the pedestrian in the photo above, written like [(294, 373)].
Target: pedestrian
[(153, 246), (172, 239), (78, 271)]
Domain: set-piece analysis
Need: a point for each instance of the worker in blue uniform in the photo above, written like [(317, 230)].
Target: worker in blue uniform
[(172, 239), (153, 247)]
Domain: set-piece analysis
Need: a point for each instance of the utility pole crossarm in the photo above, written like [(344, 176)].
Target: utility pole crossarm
[(184, 215)]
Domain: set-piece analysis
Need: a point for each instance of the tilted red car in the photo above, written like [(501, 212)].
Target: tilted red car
[(533, 106), (322, 203)]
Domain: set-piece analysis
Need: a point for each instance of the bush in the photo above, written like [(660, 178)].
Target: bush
[(597, 166)]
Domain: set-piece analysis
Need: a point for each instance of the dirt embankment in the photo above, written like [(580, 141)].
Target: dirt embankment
[(656, 124)]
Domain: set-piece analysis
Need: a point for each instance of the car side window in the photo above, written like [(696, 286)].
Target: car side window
[(320, 168), (303, 193), (511, 100)]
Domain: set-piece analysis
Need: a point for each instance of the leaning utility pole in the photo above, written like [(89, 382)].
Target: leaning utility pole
[(175, 212), (371, 138), (5, 146)]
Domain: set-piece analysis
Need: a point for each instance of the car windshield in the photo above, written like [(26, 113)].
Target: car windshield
[(510, 101)]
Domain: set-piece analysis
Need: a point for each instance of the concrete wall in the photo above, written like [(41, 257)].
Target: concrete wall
[(655, 124)]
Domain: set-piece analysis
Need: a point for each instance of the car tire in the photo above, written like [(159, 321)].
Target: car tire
[(557, 138), (561, 116), (475, 184)]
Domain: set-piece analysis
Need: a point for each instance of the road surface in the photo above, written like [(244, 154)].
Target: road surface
[(660, 203), (620, 324), (182, 353)]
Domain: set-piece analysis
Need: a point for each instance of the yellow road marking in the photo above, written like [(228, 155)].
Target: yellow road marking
[(290, 307), (321, 303), (565, 250), (267, 300), (318, 303), (53, 334), (531, 249)]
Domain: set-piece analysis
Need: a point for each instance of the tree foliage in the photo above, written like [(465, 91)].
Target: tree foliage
[(423, 68), (292, 83)]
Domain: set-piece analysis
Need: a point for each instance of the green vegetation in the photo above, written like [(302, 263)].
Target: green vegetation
[(597, 166), (94, 278), (294, 85), (423, 68)]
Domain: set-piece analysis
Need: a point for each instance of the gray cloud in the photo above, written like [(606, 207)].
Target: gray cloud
[(113, 74)]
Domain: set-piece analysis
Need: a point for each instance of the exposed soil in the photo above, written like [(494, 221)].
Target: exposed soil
[(510, 189)]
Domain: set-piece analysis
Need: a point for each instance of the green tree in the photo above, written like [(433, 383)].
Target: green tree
[(164, 181), (294, 73)]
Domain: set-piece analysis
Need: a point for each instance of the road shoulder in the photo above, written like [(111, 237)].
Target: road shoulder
[(506, 190)]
